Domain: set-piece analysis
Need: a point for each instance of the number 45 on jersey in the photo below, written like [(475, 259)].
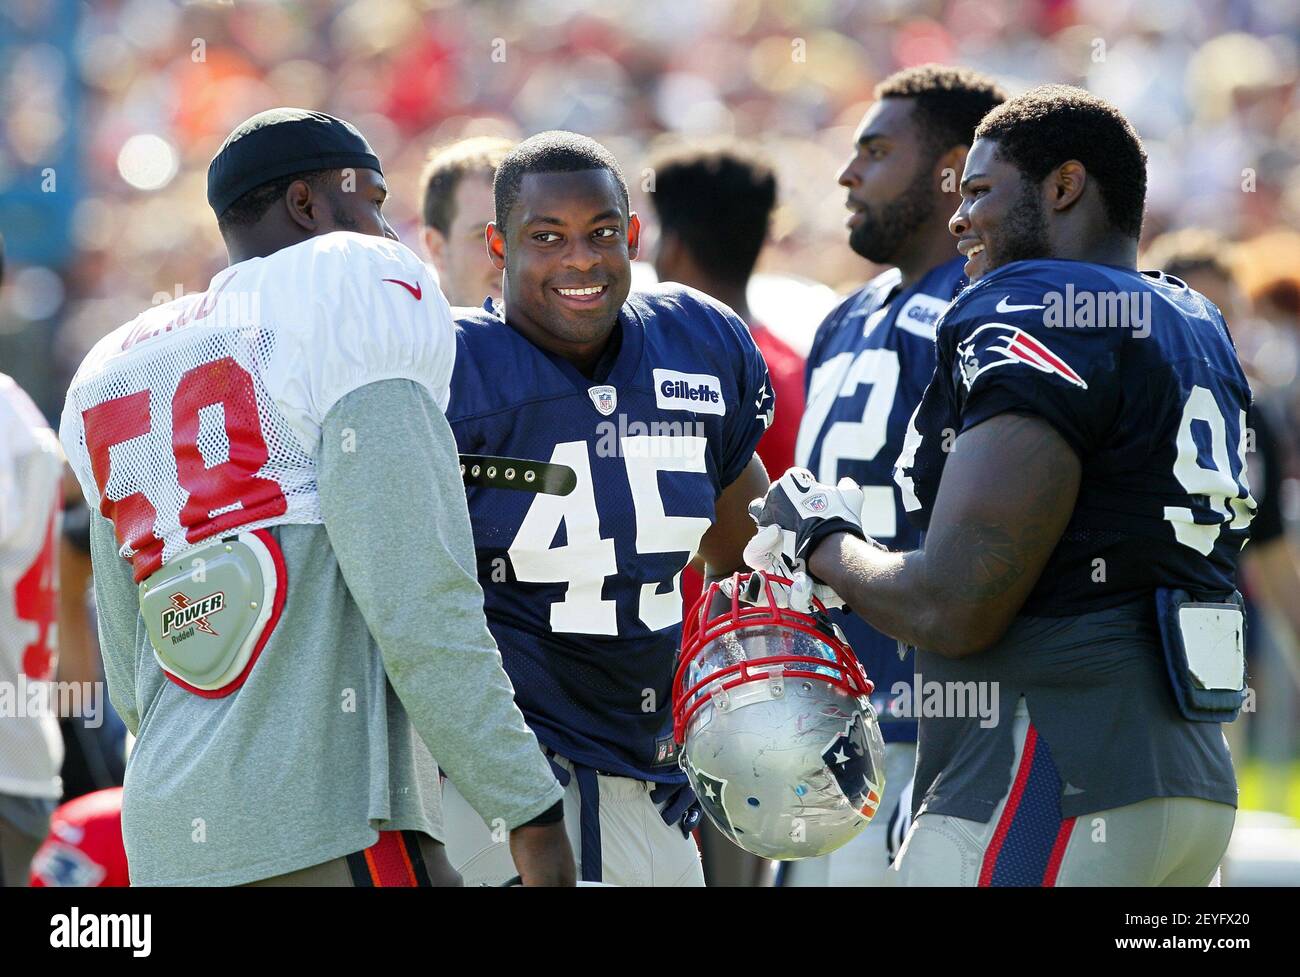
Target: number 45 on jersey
[(587, 559)]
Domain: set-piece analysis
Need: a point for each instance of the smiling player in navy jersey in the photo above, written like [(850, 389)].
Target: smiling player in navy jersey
[(656, 401), (868, 367), (1080, 552)]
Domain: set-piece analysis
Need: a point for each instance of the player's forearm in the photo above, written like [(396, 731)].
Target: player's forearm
[(889, 591), (723, 546), (407, 555), (987, 545), (118, 609)]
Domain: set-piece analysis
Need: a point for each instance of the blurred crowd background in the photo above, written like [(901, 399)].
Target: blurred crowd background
[(113, 108)]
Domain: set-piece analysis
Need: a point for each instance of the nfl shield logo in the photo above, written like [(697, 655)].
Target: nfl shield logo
[(816, 503), (605, 398)]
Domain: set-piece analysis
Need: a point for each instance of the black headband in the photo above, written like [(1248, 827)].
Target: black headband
[(282, 142)]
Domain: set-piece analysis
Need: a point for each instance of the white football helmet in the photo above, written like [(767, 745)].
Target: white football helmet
[(771, 710)]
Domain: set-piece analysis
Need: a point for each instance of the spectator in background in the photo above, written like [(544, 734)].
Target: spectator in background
[(455, 208), (1201, 258), (714, 203), (1267, 268)]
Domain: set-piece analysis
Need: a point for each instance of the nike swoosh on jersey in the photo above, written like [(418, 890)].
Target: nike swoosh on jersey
[(1004, 307), (415, 289)]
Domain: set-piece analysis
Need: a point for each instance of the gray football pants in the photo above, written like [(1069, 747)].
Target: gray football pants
[(1156, 842)]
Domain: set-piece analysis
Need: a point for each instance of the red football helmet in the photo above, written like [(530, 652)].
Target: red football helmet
[(84, 846)]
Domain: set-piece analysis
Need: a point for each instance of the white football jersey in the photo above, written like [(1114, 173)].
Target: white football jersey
[(203, 416), (31, 472)]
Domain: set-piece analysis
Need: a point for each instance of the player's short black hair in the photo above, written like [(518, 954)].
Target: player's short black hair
[(717, 199), (447, 167), (556, 151), (1052, 124), (950, 101), (252, 206)]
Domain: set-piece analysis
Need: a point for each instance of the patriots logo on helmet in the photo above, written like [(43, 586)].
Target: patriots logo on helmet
[(709, 792), (849, 760), (999, 344)]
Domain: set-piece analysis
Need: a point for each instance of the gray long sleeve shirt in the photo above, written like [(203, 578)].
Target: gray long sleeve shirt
[(381, 659)]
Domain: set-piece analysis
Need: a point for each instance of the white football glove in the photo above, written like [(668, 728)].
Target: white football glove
[(770, 552), (810, 510)]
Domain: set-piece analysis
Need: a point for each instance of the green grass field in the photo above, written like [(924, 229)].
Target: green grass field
[(1270, 786)]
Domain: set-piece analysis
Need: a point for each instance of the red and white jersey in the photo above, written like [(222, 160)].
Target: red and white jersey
[(203, 416), (31, 472)]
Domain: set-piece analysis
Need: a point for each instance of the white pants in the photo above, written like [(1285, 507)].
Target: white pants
[(1158, 841), (636, 847), (864, 861)]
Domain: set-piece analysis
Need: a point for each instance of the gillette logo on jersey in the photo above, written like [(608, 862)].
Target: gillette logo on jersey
[(697, 392), (186, 612), (998, 344), (919, 315)]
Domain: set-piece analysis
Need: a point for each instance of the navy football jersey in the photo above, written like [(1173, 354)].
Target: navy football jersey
[(582, 591), (869, 365), (1139, 374)]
